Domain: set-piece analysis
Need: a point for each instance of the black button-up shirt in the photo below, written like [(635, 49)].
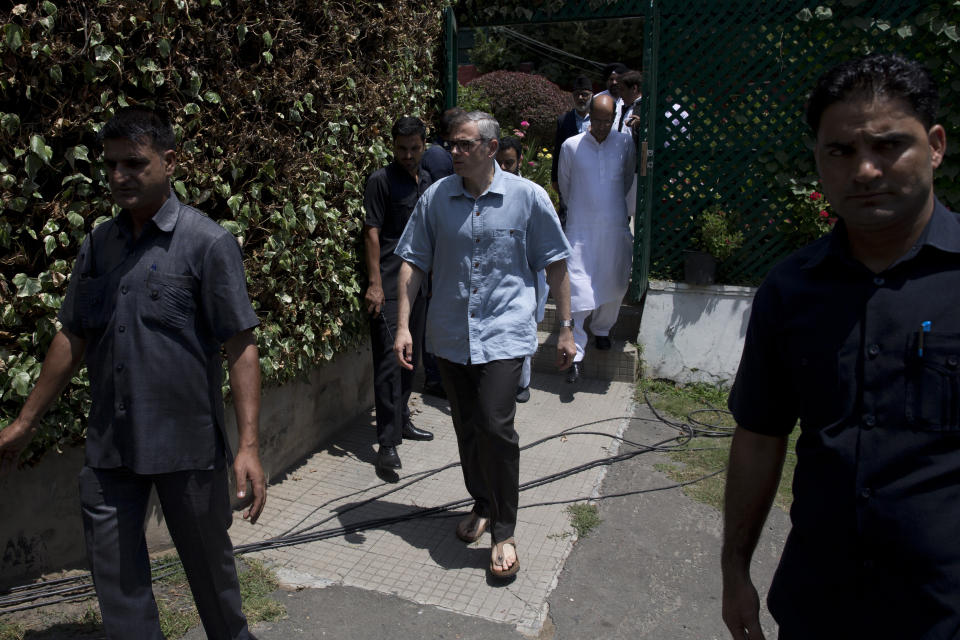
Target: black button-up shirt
[(389, 199), (874, 551), (154, 312)]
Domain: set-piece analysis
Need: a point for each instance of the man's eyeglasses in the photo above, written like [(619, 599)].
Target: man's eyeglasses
[(463, 146)]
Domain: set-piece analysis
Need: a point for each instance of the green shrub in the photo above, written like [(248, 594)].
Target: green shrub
[(282, 112), (517, 97)]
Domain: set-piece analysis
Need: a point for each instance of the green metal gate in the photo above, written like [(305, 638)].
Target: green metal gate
[(725, 83)]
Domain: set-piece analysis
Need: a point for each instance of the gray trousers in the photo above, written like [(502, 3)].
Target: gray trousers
[(196, 507)]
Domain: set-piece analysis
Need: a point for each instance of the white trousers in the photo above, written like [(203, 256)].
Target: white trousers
[(601, 320)]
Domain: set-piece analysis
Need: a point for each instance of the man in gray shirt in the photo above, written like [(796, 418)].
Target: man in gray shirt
[(154, 294)]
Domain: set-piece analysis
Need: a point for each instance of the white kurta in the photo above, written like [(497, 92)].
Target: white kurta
[(594, 180)]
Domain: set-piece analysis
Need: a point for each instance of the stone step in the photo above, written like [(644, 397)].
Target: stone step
[(627, 327), (621, 363)]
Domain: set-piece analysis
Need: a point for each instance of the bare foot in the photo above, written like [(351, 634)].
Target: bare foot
[(503, 558), (472, 527)]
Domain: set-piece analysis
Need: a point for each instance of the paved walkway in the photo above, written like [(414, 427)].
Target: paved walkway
[(420, 560)]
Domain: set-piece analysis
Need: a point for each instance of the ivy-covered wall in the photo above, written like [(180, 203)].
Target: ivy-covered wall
[(282, 109)]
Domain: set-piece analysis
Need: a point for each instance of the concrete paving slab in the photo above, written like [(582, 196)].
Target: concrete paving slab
[(421, 560)]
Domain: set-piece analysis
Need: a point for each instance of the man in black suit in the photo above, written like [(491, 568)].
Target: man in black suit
[(575, 121)]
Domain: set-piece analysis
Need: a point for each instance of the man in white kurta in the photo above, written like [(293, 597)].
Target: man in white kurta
[(596, 172)]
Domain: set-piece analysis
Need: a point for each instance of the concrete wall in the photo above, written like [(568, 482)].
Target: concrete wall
[(692, 333), (40, 527)]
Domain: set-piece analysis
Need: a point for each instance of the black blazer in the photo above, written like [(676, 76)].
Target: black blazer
[(566, 128)]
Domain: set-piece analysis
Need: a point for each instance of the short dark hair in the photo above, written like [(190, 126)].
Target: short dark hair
[(409, 126), (888, 76), (632, 79), (139, 123), (450, 116), (511, 142)]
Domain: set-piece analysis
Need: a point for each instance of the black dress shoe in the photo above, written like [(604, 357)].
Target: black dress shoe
[(387, 458), (602, 342), (523, 394), (410, 432), (573, 373)]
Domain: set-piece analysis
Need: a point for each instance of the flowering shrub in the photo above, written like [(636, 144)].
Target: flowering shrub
[(808, 214), (717, 232), (526, 97)]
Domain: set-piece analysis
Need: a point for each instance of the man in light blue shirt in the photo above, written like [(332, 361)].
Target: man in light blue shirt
[(485, 234)]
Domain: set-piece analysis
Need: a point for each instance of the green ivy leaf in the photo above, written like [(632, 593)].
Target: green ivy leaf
[(38, 146), (13, 35), (102, 53), (49, 8), (267, 39), (32, 164), (241, 33), (180, 188), (163, 46), (49, 244), (20, 382), (26, 286), (212, 97), (73, 154), (268, 56), (10, 122)]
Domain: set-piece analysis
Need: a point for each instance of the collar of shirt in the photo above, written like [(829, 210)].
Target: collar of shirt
[(401, 173), (942, 232), (496, 185), (164, 219)]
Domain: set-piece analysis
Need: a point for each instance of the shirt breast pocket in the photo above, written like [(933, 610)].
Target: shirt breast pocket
[(170, 300), (507, 246), (933, 382), (95, 302)]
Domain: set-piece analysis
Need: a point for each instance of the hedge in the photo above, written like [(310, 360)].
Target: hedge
[(518, 97), (282, 108)]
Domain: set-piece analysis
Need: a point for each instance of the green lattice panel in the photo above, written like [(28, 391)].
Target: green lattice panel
[(731, 81)]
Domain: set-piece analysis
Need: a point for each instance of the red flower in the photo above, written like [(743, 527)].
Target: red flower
[(816, 195), (824, 214), (832, 220)]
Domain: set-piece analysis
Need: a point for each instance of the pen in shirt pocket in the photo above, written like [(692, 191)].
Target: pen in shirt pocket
[(924, 328)]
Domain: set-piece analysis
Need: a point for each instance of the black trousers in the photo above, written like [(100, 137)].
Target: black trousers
[(196, 507), (392, 383), (483, 402)]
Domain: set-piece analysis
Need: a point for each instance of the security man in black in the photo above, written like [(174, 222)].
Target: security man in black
[(155, 293), (391, 193), (858, 337)]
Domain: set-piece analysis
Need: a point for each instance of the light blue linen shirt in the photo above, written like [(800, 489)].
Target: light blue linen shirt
[(485, 254)]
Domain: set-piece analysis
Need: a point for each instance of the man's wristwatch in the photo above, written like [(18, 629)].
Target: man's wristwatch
[(566, 324)]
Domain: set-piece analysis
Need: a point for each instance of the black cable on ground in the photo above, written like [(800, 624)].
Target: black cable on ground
[(46, 593)]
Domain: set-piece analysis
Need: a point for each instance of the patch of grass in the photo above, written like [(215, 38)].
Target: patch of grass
[(178, 614), (257, 582), (583, 518), (702, 456), (11, 631)]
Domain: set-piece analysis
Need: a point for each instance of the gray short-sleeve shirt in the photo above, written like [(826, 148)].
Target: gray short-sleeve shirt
[(154, 312)]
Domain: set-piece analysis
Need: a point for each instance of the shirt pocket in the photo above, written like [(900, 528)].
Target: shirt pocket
[(170, 300), (933, 382), (507, 246), (95, 305)]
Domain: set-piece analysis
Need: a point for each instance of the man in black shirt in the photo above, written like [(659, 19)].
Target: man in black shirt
[(154, 294), (389, 199), (858, 337)]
